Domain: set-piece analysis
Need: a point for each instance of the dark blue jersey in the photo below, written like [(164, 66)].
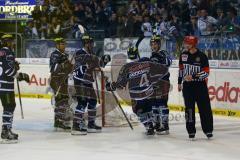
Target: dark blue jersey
[(60, 67), (162, 58), (84, 67), (7, 70), (56, 59)]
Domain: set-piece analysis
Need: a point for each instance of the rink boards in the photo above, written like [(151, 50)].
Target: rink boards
[(223, 85)]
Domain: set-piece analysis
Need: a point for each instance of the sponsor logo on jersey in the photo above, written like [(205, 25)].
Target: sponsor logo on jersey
[(184, 57), (137, 73), (139, 66)]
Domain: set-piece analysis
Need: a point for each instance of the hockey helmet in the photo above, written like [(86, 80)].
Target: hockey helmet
[(155, 38), (59, 40), (191, 40), (7, 37), (86, 39), (132, 53)]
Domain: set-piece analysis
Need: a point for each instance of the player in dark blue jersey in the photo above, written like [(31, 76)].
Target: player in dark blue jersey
[(86, 65), (140, 76), (161, 87), (8, 71), (192, 81), (60, 67)]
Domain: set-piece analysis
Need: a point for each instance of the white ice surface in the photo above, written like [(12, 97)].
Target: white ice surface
[(39, 141)]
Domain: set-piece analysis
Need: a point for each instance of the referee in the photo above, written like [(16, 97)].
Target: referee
[(192, 81)]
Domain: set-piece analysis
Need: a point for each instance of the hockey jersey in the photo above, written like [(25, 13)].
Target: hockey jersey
[(193, 64), (56, 59), (7, 70), (164, 59), (85, 64), (60, 67), (140, 77)]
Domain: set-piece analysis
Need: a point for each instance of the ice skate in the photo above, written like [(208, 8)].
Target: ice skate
[(93, 128), (191, 137), (8, 136), (209, 136), (79, 129)]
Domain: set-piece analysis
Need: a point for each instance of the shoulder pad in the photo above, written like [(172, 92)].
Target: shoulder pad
[(144, 59), (81, 51), (164, 52), (55, 52)]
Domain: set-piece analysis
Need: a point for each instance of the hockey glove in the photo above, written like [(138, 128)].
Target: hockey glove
[(23, 77), (16, 64), (110, 86), (105, 59)]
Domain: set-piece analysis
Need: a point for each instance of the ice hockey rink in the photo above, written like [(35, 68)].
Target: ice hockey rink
[(39, 141)]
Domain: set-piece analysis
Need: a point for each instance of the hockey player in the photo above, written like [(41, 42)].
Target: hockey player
[(161, 111), (60, 67), (8, 67), (140, 75), (86, 63), (193, 72)]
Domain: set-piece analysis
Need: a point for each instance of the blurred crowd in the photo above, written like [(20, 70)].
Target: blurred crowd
[(171, 19)]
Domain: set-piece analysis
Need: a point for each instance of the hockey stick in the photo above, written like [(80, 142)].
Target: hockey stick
[(98, 96), (20, 99), (119, 105)]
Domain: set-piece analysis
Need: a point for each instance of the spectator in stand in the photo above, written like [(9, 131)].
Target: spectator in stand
[(93, 5), (89, 20), (146, 26), (158, 20), (134, 7), (43, 30), (79, 11), (173, 6), (206, 24), (78, 28), (53, 5), (233, 21), (104, 12), (30, 31), (193, 30), (138, 19), (193, 7), (125, 27), (54, 28), (120, 27), (112, 29), (46, 12), (36, 13), (222, 19)]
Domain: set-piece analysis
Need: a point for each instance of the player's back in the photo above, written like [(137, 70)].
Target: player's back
[(139, 79)]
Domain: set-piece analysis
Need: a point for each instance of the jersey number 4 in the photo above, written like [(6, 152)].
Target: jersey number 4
[(144, 81)]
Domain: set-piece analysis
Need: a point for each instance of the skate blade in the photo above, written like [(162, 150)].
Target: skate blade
[(94, 131), (61, 130), (6, 141), (210, 138), (163, 133), (149, 135), (192, 139), (77, 133)]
